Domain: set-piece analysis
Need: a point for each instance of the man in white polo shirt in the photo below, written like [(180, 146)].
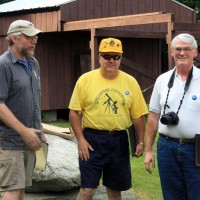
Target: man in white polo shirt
[(175, 114)]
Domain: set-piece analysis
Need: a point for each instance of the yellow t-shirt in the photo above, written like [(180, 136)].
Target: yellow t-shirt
[(107, 104)]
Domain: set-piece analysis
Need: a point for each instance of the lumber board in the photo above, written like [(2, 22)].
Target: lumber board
[(66, 133)]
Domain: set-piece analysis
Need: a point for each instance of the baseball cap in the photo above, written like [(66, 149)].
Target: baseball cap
[(24, 27), (110, 45)]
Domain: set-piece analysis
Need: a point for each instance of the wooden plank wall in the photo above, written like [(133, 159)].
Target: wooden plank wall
[(45, 53), (144, 52), (92, 9), (58, 55), (45, 21), (141, 59)]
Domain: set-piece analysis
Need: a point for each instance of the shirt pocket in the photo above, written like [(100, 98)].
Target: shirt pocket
[(7, 173), (194, 103)]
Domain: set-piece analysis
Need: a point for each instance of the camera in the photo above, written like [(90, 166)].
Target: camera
[(170, 118)]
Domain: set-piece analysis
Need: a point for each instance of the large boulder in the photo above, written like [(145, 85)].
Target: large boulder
[(62, 170)]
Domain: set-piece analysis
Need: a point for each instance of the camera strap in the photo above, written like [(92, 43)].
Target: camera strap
[(170, 85)]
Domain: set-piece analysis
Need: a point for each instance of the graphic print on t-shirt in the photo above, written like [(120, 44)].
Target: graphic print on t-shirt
[(110, 104), (110, 98)]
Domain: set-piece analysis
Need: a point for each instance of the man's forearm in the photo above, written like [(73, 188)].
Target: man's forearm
[(151, 130), (8, 118), (139, 124), (75, 122)]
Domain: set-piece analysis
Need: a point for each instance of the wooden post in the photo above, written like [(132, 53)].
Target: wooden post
[(94, 50), (170, 35), (169, 39)]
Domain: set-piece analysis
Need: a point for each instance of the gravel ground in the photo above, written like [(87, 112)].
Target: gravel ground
[(100, 195), (71, 195)]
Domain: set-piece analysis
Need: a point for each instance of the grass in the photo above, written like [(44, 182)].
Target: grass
[(60, 123), (145, 186)]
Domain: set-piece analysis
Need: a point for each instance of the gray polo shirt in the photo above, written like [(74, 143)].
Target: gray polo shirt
[(20, 92)]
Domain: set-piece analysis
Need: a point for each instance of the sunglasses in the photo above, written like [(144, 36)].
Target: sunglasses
[(108, 57)]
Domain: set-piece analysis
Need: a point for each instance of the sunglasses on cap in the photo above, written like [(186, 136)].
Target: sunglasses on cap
[(108, 57)]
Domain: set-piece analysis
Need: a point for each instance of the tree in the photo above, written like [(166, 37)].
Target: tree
[(5, 1)]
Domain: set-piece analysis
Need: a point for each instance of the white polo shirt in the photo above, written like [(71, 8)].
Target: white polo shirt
[(189, 114)]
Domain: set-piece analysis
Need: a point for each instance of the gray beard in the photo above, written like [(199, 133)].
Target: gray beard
[(23, 51)]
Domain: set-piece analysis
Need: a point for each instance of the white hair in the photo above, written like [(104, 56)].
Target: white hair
[(186, 38)]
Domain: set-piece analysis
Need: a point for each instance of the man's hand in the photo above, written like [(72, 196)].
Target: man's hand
[(139, 150), (31, 138), (149, 158), (83, 149)]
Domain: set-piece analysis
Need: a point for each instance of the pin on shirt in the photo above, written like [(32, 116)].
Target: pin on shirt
[(126, 92), (37, 77), (194, 97), (35, 74)]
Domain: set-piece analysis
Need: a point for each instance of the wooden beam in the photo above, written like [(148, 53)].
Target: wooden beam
[(147, 18), (191, 27), (130, 34)]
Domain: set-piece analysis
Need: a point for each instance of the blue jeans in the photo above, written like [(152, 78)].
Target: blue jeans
[(180, 179)]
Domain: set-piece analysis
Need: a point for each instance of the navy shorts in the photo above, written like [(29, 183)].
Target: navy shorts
[(109, 160)]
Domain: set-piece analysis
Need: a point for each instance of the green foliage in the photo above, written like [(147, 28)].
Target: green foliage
[(60, 123), (5, 1)]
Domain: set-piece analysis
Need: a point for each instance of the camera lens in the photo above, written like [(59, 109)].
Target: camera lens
[(170, 118), (166, 120)]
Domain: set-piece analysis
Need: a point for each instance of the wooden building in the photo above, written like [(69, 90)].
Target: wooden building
[(72, 31)]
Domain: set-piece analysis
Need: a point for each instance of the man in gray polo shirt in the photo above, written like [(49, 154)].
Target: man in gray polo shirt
[(20, 117)]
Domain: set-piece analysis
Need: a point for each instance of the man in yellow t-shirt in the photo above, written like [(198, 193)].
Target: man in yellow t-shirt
[(103, 105)]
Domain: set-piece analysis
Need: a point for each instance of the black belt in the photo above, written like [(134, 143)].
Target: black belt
[(178, 140), (104, 132)]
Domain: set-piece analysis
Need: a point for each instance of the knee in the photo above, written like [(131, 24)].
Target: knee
[(86, 193), (113, 194), (12, 194)]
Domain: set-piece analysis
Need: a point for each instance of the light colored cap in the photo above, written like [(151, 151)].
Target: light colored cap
[(24, 27)]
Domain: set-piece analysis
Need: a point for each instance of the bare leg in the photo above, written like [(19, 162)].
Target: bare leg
[(113, 194), (86, 194), (13, 195), (22, 194)]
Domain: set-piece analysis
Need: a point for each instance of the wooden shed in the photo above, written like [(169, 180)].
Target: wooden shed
[(72, 30)]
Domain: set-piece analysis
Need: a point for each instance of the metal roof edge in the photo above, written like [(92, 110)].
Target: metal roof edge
[(10, 7)]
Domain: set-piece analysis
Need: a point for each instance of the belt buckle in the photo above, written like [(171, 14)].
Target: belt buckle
[(110, 132), (181, 141)]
